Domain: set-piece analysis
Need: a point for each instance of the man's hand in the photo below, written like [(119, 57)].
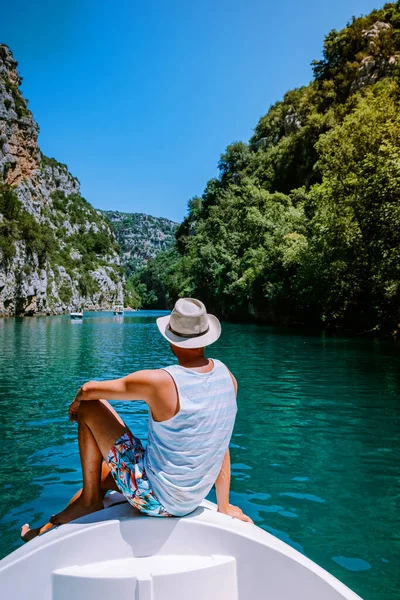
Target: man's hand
[(73, 410), (235, 512), (222, 489)]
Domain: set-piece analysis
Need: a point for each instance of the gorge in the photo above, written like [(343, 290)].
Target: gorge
[(57, 252)]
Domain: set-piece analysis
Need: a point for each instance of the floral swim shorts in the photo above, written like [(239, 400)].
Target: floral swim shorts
[(126, 462)]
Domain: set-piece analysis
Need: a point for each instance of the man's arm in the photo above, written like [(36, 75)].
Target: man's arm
[(136, 386), (222, 485), (142, 385)]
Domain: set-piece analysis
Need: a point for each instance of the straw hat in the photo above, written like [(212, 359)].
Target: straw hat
[(189, 325)]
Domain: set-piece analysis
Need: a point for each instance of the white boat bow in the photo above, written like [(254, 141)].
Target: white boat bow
[(119, 553)]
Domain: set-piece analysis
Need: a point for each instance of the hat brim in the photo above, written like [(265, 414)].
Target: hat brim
[(213, 333)]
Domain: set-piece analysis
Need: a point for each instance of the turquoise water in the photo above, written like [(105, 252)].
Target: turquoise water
[(315, 451)]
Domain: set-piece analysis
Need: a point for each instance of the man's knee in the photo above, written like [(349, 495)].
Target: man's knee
[(87, 408)]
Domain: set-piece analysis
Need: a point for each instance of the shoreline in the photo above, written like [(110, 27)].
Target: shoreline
[(299, 328), (61, 314)]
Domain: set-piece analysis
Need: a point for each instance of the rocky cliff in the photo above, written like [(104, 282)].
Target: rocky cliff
[(140, 236), (57, 253), (380, 55)]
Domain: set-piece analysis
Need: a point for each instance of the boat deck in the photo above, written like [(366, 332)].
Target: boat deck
[(120, 553)]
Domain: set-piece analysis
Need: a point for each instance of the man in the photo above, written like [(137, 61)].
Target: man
[(192, 409)]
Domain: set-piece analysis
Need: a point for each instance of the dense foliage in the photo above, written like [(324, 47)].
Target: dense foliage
[(303, 223), (17, 224), (78, 240), (85, 242), (150, 286), (141, 238)]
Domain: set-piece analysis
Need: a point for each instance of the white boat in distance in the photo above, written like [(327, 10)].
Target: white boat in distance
[(77, 314), (118, 309), (119, 553)]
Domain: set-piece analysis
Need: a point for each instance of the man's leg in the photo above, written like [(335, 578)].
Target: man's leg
[(99, 427), (107, 484)]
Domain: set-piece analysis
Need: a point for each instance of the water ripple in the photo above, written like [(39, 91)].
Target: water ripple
[(315, 451)]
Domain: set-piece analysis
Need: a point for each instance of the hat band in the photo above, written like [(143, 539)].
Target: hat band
[(188, 335)]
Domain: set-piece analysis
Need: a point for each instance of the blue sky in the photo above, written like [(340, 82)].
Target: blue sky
[(141, 98)]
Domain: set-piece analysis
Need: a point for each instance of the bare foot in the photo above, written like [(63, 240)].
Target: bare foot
[(27, 534), (75, 510)]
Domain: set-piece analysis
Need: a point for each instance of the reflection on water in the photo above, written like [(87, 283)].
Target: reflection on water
[(315, 451)]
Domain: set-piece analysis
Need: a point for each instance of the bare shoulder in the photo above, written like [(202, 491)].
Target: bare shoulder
[(151, 377), (147, 384), (161, 377), (164, 402), (161, 383)]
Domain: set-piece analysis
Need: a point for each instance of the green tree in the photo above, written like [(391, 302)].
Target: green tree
[(355, 230), (303, 223)]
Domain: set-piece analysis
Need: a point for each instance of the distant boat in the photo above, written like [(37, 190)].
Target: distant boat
[(118, 309), (76, 315)]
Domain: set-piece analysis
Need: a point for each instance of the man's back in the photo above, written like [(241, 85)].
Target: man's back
[(185, 452)]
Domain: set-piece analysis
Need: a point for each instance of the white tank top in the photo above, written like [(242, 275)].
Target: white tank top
[(184, 454)]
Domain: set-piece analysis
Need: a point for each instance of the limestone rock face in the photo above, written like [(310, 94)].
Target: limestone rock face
[(57, 253), (19, 151), (381, 57), (141, 236), (292, 122)]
